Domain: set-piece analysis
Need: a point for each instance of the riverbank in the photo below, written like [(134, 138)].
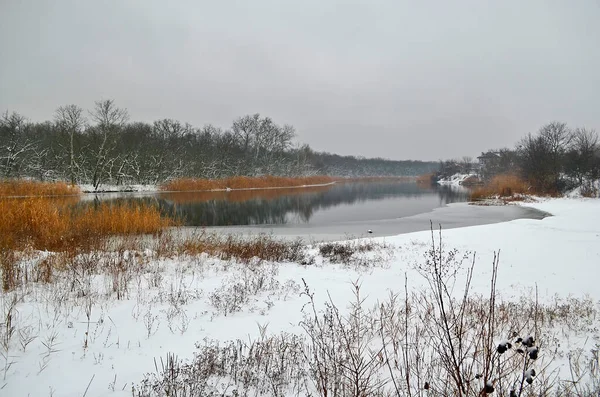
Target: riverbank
[(470, 179), (236, 183), (106, 330)]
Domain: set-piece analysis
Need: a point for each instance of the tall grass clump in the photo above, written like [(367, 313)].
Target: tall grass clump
[(502, 186), (32, 222), (46, 224), (110, 219), (263, 247), (20, 188), (243, 182)]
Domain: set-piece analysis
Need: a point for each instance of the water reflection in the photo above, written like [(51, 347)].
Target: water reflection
[(451, 194), (320, 205)]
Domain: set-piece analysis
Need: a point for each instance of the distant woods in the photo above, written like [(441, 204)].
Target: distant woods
[(103, 146), (554, 159)]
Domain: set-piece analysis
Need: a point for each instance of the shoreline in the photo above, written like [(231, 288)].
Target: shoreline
[(87, 189), (450, 216), (158, 191)]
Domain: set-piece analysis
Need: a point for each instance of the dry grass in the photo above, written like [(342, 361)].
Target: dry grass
[(504, 186), (51, 224), (55, 225), (22, 188), (264, 247), (242, 182), (109, 219), (426, 180)]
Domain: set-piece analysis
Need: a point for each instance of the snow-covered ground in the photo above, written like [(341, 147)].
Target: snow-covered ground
[(590, 188), (82, 339)]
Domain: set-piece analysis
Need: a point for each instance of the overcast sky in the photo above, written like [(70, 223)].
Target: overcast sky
[(396, 79)]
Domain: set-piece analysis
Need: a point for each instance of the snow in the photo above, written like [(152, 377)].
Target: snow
[(109, 188), (105, 188), (592, 188), (456, 179), (175, 303)]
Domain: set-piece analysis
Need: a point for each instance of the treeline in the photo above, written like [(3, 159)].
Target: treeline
[(554, 159), (102, 146)]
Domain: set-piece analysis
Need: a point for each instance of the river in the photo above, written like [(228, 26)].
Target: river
[(330, 212)]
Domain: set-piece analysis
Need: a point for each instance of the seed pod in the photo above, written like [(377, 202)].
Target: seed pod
[(532, 372), (513, 393), (502, 348), (489, 387), (426, 387), (528, 341), (533, 353), (529, 380)]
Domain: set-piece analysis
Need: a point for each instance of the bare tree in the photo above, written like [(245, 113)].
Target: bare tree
[(466, 164), (14, 144), (109, 121), (558, 137), (543, 156), (245, 130), (582, 155), (70, 120)]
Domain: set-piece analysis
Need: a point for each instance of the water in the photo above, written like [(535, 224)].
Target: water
[(331, 212)]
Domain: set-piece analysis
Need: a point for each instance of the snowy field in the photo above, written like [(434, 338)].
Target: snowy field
[(99, 334)]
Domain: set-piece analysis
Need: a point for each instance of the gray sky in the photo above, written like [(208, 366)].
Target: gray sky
[(396, 79)]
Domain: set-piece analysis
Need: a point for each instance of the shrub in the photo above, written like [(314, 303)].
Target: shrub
[(263, 246), (347, 252)]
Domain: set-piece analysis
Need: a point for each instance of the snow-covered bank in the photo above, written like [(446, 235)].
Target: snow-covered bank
[(588, 189), (459, 180), (154, 188), (88, 188), (70, 335)]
